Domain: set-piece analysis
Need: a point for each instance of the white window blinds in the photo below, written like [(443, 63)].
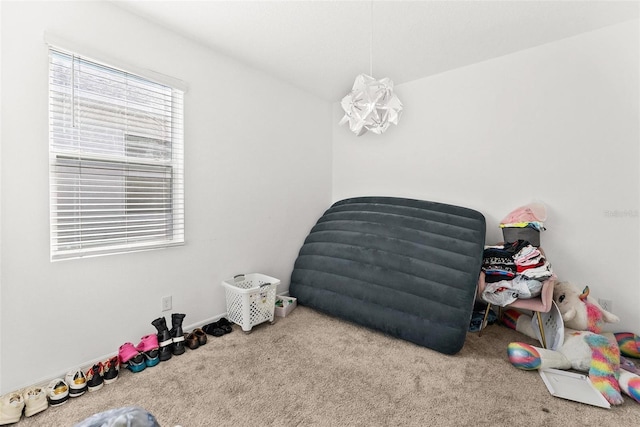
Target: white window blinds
[(116, 160)]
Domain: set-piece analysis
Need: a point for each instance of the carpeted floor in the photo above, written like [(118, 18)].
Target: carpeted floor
[(309, 369)]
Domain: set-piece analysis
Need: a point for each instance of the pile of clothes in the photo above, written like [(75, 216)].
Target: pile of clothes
[(513, 270)]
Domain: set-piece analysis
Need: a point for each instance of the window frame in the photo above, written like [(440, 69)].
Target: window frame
[(144, 177)]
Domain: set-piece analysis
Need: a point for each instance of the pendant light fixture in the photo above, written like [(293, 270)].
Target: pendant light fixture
[(371, 105)]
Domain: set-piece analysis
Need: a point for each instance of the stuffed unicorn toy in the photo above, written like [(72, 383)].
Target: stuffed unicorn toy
[(585, 348), (576, 315)]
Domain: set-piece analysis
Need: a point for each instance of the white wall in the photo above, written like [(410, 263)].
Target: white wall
[(556, 123), (1, 390), (258, 175)]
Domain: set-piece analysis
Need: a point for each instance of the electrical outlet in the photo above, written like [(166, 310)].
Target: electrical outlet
[(606, 304), (166, 303)]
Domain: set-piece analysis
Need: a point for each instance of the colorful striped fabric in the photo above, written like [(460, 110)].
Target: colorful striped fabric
[(605, 367)]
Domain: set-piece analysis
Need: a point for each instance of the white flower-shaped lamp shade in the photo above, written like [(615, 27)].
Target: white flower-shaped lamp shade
[(371, 105)]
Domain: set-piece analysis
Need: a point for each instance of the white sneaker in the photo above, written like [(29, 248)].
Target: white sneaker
[(77, 382), (35, 400), (11, 406), (57, 392)]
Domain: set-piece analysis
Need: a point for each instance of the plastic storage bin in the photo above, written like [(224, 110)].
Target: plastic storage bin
[(250, 299), (286, 305), (512, 234)]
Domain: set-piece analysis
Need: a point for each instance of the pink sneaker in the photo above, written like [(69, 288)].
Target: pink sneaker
[(150, 348), (131, 358), (148, 343)]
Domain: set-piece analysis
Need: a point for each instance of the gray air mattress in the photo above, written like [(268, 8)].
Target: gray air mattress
[(408, 268)]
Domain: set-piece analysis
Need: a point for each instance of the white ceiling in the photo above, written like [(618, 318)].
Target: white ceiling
[(320, 46)]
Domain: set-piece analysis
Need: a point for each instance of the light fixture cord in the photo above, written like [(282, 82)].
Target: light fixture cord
[(371, 39)]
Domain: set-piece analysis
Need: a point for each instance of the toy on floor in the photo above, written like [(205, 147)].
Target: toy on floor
[(579, 310), (585, 347)]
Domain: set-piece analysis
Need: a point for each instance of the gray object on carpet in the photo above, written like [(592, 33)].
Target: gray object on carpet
[(408, 268)]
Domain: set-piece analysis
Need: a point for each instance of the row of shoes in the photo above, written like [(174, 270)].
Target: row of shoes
[(165, 343), (155, 348), (101, 373), (151, 350), (33, 400), (198, 336)]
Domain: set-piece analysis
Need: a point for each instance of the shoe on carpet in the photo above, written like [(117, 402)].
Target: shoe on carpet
[(35, 400), (202, 336), (192, 340), (150, 348), (11, 406), (111, 369), (164, 338), (77, 382), (219, 328), (213, 329), (95, 381), (225, 325), (131, 358), (57, 392), (177, 334)]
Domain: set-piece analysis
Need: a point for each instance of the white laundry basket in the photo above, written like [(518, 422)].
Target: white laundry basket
[(553, 327), (251, 299)]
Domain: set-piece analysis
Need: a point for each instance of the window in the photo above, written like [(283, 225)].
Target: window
[(116, 160)]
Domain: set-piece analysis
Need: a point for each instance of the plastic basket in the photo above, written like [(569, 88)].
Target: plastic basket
[(513, 234), (552, 325), (250, 299)]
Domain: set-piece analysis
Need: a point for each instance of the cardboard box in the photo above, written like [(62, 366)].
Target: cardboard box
[(284, 305)]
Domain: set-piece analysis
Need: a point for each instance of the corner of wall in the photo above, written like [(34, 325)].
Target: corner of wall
[(1, 50)]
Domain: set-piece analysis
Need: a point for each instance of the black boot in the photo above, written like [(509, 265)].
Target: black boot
[(164, 338), (177, 334)]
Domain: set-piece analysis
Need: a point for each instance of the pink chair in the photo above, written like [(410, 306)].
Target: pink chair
[(539, 304)]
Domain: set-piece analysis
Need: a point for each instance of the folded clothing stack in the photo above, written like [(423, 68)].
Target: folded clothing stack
[(513, 270)]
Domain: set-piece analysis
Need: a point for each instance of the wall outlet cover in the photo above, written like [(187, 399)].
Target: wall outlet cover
[(166, 303), (606, 304)]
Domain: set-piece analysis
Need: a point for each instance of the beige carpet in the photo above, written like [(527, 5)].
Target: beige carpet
[(309, 369)]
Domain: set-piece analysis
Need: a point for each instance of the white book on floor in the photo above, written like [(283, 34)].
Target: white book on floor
[(573, 386)]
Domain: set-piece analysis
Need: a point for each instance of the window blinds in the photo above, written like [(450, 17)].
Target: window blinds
[(116, 160)]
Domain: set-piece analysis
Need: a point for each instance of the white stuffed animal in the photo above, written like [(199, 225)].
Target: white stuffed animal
[(578, 309), (585, 348)]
